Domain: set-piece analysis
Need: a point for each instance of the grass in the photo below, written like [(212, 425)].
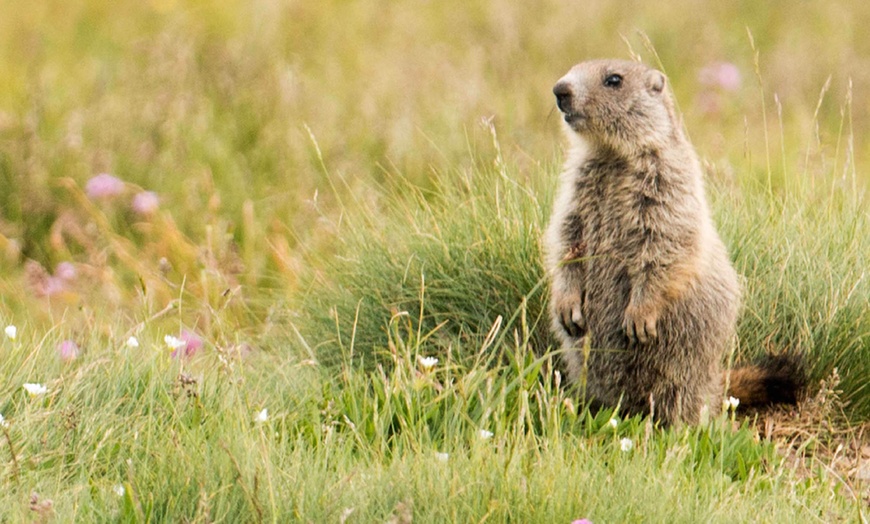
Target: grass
[(347, 187), (366, 443)]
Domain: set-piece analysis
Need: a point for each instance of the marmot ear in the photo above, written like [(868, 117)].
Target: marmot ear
[(655, 81)]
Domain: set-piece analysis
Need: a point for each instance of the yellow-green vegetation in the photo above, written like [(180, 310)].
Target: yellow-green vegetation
[(234, 236)]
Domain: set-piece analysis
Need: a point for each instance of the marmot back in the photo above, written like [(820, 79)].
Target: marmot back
[(638, 270)]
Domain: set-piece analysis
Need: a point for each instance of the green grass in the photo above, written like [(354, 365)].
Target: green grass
[(346, 187), (363, 441), (464, 258)]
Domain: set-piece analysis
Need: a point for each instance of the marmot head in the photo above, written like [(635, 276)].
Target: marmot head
[(620, 104)]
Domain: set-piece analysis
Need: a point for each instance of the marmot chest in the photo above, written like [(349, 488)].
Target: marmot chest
[(607, 218)]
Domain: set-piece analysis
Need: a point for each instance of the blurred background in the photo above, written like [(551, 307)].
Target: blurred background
[(154, 150)]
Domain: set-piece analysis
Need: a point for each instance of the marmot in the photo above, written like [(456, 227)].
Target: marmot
[(639, 274)]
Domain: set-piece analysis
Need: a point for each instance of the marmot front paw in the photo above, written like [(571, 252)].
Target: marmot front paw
[(570, 314), (640, 324)]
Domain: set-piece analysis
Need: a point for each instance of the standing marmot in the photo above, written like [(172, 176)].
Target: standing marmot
[(638, 271)]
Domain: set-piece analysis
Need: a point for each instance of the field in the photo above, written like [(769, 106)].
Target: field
[(235, 235)]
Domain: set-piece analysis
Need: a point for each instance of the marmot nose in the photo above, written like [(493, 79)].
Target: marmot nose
[(562, 90)]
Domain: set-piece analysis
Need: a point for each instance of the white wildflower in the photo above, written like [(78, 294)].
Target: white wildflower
[(441, 457), (35, 389), (730, 403), (484, 434), (3, 423), (626, 444), (613, 422), (119, 490), (132, 342), (11, 332), (262, 416), (174, 342), (427, 362)]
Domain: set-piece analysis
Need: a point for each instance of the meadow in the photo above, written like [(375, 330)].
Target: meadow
[(280, 261)]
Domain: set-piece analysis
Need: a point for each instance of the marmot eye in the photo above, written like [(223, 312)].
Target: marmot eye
[(613, 81)]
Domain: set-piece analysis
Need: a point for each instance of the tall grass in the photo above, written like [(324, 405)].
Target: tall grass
[(213, 106), (463, 258), (804, 264)]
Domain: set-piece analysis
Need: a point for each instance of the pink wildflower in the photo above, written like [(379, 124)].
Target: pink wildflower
[(724, 75), (65, 271), (104, 186), (192, 344), (64, 274), (44, 284), (145, 203), (53, 286), (68, 350), (582, 521)]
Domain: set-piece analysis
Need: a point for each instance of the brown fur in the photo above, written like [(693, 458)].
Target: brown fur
[(778, 379), (637, 267), (747, 384)]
